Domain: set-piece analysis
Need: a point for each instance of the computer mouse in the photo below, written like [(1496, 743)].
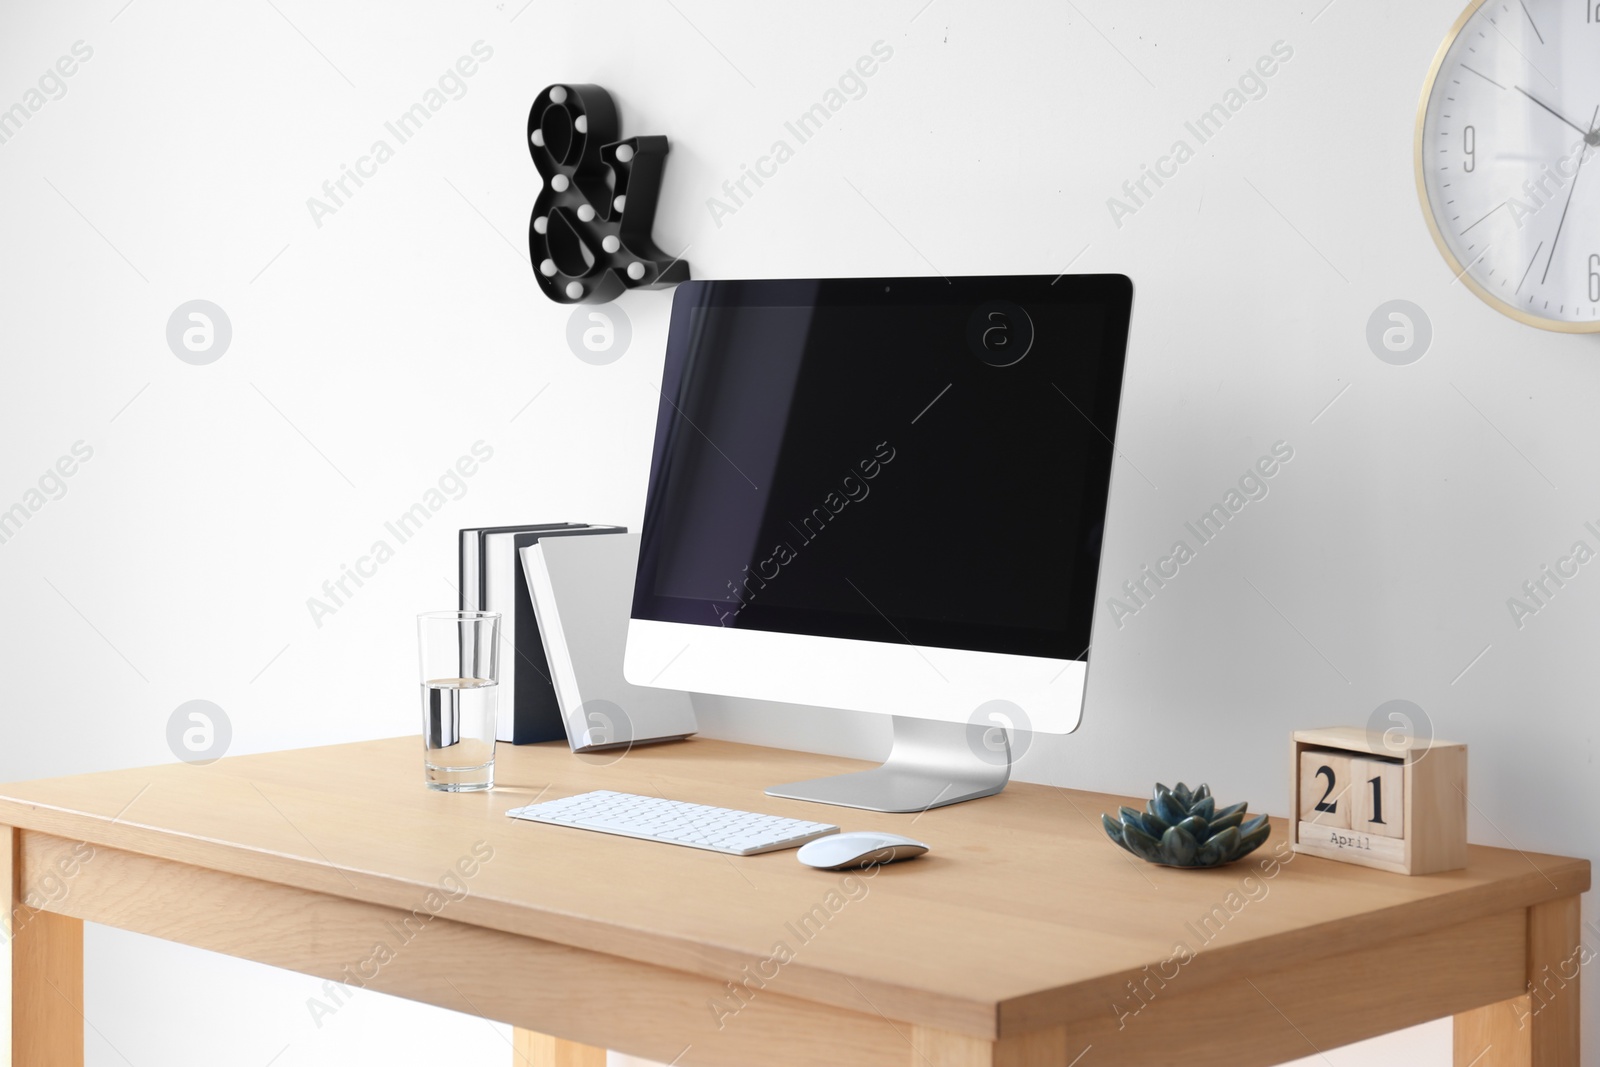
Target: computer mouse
[(861, 848)]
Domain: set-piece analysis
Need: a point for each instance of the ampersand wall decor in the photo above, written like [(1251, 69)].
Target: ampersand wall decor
[(590, 232)]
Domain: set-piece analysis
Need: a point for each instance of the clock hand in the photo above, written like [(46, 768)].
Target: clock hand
[(1582, 159), (1588, 135)]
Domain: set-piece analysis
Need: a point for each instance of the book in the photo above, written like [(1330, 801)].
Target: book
[(582, 595), (492, 579)]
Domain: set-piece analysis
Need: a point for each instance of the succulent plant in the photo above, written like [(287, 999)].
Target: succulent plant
[(1180, 828)]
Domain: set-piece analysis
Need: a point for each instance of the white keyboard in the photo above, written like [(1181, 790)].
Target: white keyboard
[(739, 833)]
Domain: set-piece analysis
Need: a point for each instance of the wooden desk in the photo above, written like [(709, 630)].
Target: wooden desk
[(1024, 938)]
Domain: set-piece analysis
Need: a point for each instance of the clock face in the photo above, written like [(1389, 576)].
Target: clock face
[(1506, 143)]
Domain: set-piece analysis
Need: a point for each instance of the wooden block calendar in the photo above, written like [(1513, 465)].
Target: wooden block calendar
[(1396, 803)]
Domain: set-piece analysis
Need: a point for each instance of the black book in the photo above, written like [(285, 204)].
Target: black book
[(492, 580)]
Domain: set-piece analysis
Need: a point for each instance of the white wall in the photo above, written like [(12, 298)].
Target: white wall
[(371, 351)]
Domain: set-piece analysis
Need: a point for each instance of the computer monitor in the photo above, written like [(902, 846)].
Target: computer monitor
[(887, 495)]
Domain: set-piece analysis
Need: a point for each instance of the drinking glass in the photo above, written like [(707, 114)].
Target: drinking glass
[(460, 653)]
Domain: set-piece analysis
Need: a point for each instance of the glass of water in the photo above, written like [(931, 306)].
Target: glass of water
[(460, 653)]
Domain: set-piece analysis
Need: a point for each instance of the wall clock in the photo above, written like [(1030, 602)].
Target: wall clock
[(1507, 135)]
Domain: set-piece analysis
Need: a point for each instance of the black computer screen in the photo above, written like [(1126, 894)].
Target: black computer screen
[(912, 460)]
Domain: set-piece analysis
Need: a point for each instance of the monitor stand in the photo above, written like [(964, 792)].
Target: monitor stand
[(931, 764)]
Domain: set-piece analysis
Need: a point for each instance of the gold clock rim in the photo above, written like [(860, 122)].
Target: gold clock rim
[(1509, 310)]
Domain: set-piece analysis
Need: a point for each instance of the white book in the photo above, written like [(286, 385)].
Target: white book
[(471, 582), (582, 589), (499, 589)]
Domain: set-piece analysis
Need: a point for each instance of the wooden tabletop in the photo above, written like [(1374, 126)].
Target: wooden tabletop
[(1022, 912)]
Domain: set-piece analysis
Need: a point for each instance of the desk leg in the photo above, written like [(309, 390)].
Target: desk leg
[(1040, 1048), (45, 972), (1539, 1028), (541, 1050)]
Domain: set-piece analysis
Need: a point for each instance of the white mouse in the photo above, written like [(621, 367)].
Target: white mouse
[(862, 848)]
